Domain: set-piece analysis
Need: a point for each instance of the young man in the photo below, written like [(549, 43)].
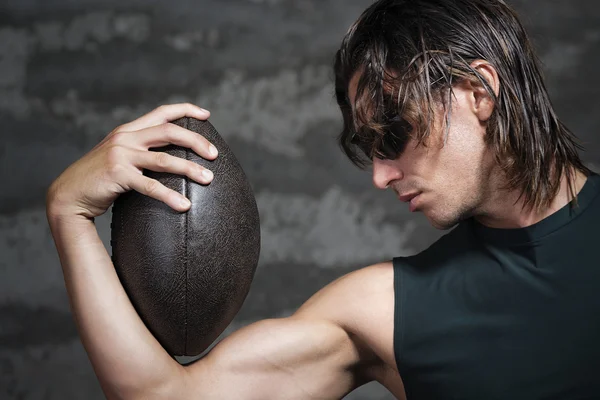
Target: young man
[(446, 99)]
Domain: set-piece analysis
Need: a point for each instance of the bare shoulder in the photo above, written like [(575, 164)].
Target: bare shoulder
[(362, 303), (356, 294)]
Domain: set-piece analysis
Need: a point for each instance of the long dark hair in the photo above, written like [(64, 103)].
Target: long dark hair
[(410, 53)]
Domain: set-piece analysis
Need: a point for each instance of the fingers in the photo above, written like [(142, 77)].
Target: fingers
[(162, 135), (128, 146), (164, 114), (153, 188), (163, 162)]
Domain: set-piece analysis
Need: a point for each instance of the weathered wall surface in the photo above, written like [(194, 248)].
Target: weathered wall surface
[(70, 71)]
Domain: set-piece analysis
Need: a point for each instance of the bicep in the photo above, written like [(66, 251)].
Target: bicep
[(295, 357)]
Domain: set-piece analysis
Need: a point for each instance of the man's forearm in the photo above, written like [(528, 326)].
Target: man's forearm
[(127, 359)]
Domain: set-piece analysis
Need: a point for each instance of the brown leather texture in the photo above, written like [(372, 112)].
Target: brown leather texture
[(187, 274)]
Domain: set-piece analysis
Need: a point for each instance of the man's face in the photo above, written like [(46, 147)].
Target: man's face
[(451, 179)]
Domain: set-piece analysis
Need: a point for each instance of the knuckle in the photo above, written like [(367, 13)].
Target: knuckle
[(195, 168), (151, 186), (119, 129), (114, 155), (118, 138), (163, 160), (114, 170), (161, 111), (166, 131), (203, 142)]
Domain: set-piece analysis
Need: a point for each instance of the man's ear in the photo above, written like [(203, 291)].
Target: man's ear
[(483, 104)]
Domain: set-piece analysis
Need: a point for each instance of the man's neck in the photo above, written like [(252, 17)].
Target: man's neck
[(505, 212)]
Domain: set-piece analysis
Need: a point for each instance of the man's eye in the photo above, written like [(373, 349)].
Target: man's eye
[(395, 139), (362, 145), (388, 150), (390, 146)]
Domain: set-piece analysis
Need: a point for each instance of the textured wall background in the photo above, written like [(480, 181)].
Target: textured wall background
[(71, 71)]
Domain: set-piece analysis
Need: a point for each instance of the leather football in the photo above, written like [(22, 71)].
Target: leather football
[(187, 274)]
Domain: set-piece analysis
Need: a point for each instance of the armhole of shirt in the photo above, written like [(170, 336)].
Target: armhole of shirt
[(399, 296)]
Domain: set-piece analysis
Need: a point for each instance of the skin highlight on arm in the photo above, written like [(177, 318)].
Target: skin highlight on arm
[(309, 355)]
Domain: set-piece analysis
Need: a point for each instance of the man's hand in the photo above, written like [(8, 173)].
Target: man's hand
[(89, 186)]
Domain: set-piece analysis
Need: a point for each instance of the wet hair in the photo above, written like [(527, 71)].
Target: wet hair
[(410, 53)]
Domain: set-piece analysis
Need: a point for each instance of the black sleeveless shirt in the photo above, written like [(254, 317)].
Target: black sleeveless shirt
[(513, 314)]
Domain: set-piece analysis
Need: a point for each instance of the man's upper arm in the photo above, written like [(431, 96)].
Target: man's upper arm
[(308, 355)]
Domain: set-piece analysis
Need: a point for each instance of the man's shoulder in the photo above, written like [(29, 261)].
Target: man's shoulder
[(362, 304), (353, 291)]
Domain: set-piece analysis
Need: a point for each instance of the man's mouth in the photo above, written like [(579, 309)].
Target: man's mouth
[(410, 198)]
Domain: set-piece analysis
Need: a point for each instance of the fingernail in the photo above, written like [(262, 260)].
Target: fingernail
[(213, 150), (207, 174), (185, 202), (204, 110)]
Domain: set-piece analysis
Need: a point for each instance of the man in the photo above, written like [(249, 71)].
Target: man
[(446, 99)]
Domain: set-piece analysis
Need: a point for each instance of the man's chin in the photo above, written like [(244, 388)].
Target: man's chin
[(443, 224), (443, 227)]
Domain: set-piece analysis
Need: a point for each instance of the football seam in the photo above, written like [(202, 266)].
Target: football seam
[(185, 227)]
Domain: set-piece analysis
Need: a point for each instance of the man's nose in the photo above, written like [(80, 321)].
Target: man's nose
[(385, 172)]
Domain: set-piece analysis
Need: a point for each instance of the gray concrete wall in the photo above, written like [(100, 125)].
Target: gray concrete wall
[(70, 71)]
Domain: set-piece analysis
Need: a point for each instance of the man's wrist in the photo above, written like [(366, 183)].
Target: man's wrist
[(57, 214), (59, 210)]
